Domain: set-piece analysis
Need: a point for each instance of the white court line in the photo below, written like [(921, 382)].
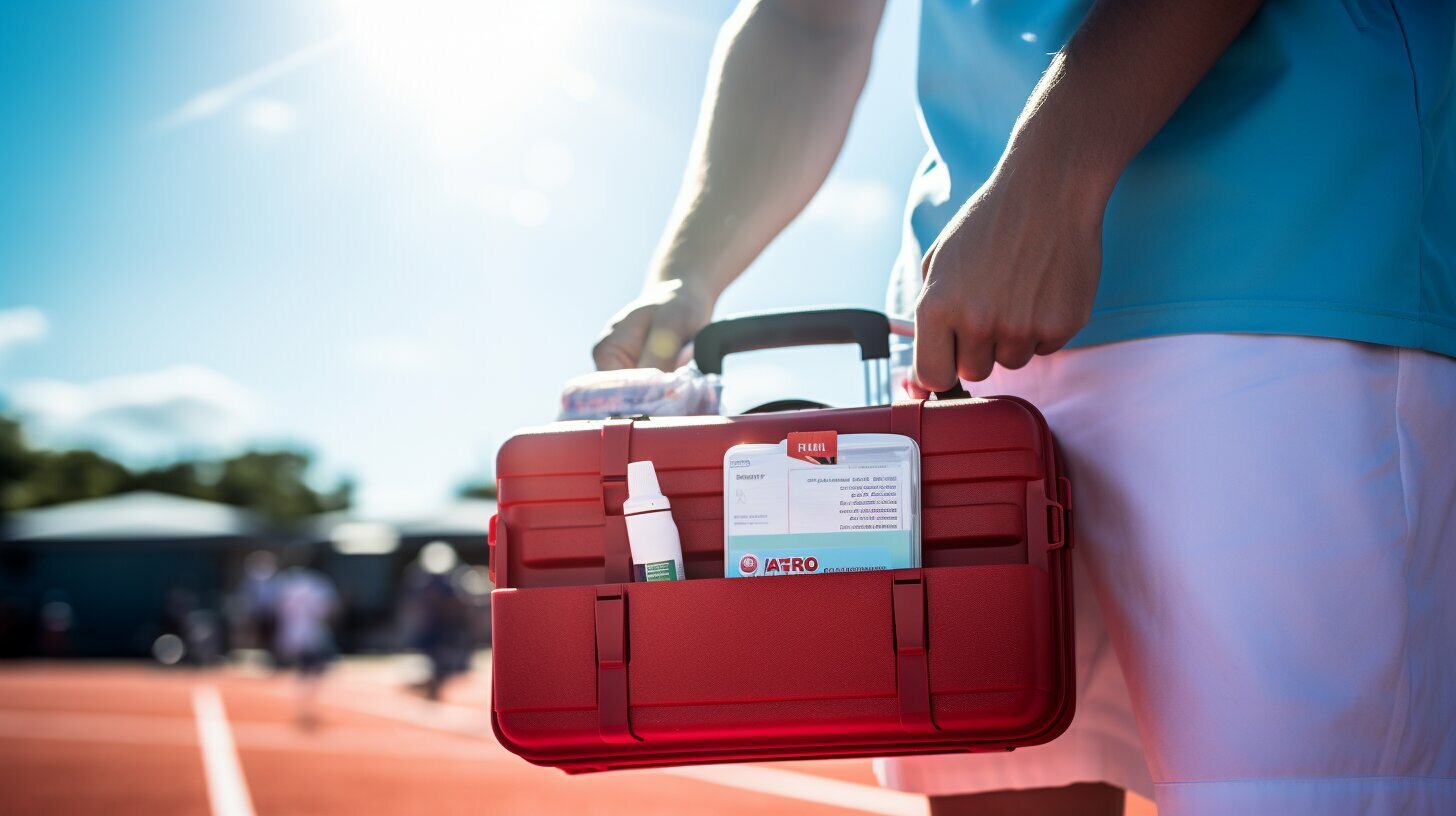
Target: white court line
[(779, 782), (805, 788), (226, 789)]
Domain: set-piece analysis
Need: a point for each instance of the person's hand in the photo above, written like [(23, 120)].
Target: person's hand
[(650, 332), (1013, 275)]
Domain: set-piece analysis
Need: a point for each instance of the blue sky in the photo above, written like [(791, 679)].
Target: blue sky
[(385, 232)]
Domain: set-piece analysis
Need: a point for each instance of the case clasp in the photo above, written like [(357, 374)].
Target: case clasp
[(912, 659), (612, 700)]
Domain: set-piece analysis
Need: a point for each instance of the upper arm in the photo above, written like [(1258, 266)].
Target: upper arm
[(857, 19)]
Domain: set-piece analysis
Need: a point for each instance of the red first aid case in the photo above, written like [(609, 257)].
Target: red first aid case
[(970, 652)]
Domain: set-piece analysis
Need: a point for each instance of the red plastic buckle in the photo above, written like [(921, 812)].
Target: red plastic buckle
[(1046, 523), (490, 551), (612, 701), (1064, 495), (912, 659)]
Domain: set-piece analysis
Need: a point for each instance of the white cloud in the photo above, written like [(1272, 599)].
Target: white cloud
[(396, 355), (269, 117), (169, 412), (19, 326), (855, 205)]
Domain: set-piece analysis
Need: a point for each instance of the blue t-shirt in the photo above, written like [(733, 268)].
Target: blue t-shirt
[(1307, 186)]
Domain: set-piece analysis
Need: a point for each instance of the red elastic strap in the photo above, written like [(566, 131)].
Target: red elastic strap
[(612, 701), (905, 418), (616, 553), (912, 651)]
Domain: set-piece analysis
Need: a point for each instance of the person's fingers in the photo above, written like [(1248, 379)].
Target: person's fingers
[(610, 355), (662, 344), (621, 344), (975, 353), (914, 388), (1049, 346), (1014, 353), (935, 349)]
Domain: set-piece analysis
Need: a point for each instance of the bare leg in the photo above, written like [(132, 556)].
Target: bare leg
[(1082, 799), (307, 691)]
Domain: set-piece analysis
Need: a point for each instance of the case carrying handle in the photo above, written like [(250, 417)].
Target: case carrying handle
[(870, 330)]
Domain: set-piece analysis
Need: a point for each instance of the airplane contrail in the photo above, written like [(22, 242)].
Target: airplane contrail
[(217, 99)]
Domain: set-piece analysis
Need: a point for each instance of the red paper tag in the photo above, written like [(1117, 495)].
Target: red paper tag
[(814, 447)]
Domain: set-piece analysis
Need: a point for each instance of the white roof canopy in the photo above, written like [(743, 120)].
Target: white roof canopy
[(133, 516)]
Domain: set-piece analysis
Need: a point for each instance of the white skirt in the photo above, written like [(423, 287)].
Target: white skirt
[(1267, 527)]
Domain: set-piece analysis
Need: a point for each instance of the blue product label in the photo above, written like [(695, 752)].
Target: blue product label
[(815, 553)]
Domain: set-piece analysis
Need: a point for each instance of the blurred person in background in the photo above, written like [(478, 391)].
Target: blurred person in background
[(1214, 241), (55, 624), (195, 627), (307, 605), (437, 614), (259, 600)]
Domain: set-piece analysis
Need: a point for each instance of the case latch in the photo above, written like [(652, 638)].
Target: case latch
[(495, 551), (612, 700), (1048, 525), (912, 658)]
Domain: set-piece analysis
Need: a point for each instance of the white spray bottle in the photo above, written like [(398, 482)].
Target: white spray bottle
[(651, 532)]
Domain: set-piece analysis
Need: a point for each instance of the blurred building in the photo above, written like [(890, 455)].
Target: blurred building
[(368, 560), (463, 525), (107, 577)]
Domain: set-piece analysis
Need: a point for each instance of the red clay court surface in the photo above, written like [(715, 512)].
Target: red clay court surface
[(134, 739)]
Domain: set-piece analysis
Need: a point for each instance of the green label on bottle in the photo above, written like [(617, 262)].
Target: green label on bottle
[(657, 571)]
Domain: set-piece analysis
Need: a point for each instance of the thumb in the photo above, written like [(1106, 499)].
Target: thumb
[(662, 343), (621, 344)]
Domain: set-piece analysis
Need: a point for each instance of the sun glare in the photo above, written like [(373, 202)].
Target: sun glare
[(466, 63)]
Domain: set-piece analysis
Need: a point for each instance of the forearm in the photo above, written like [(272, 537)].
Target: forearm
[(1122, 75), (783, 87), (1016, 271)]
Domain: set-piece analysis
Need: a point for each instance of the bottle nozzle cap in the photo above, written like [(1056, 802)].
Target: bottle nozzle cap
[(643, 493), (642, 479)]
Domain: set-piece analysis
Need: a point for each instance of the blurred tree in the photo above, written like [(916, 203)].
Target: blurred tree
[(15, 457), (196, 480), (62, 476), (30, 478), (272, 483), (477, 490), (17, 462)]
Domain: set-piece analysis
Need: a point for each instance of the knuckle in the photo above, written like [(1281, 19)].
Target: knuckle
[(976, 326), (930, 316), (1016, 330), (931, 302)]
